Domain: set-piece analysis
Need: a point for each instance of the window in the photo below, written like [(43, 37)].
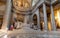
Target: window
[(57, 18)]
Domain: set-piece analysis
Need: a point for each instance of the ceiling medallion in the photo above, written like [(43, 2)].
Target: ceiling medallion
[(21, 5)]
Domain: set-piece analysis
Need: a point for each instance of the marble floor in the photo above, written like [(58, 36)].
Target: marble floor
[(27, 32), (30, 33)]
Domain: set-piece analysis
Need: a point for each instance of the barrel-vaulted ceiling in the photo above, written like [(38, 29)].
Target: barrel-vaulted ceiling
[(20, 5)]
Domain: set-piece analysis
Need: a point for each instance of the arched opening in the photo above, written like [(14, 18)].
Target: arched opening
[(35, 24), (35, 19)]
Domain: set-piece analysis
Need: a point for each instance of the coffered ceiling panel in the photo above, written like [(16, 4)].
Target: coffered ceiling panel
[(22, 4)]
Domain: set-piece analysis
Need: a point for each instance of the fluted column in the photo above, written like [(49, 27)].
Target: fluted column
[(53, 18), (7, 15), (45, 17)]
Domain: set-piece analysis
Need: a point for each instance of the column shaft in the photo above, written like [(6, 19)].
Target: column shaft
[(45, 17), (7, 15), (30, 20), (38, 19), (53, 19), (26, 19)]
